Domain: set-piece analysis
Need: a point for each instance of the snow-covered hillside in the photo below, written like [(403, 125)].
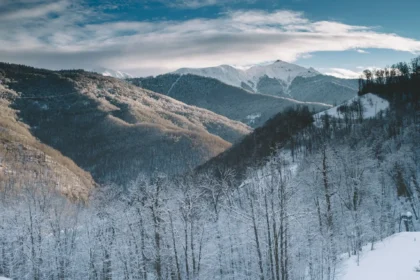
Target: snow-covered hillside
[(249, 78), (395, 258), (371, 103), (111, 73)]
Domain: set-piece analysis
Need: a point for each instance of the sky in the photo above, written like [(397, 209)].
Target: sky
[(150, 37)]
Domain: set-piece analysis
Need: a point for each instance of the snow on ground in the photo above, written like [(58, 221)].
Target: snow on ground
[(395, 258), (4, 278), (372, 105), (252, 118)]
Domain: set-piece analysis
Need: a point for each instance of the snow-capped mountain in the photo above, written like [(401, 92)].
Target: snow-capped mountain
[(253, 95), (111, 73), (255, 77), (232, 102)]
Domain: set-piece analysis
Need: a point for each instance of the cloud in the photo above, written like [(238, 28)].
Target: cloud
[(342, 73), (196, 4), (38, 11), (347, 73), (362, 51), (71, 40)]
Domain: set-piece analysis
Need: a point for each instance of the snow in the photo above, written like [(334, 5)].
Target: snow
[(393, 259), (224, 73), (253, 117), (281, 70), (4, 278), (371, 103), (111, 73), (173, 85), (234, 76)]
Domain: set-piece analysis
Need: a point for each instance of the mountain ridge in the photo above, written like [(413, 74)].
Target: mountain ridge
[(249, 78), (233, 102), (113, 129)]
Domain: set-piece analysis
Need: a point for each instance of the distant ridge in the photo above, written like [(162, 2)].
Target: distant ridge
[(111, 73), (250, 78)]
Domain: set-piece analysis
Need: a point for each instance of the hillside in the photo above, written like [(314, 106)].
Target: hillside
[(324, 89), (359, 107), (256, 148), (25, 162), (214, 95), (113, 129), (396, 257)]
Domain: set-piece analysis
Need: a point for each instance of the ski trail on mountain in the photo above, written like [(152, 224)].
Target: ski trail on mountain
[(173, 85)]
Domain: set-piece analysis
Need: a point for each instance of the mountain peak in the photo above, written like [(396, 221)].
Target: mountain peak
[(111, 73), (249, 78), (280, 61)]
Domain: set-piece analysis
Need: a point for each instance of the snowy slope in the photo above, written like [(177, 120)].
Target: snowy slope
[(111, 73), (372, 105), (224, 73), (393, 259), (4, 278), (280, 70)]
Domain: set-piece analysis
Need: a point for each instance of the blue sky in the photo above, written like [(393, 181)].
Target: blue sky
[(150, 37)]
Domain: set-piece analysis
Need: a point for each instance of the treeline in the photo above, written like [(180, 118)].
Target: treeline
[(400, 82)]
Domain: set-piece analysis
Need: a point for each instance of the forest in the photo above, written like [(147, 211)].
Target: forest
[(317, 200), (400, 82)]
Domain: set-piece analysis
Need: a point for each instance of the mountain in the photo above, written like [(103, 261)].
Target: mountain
[(282, 79), (113, 129), (111, 73), (25, 161), (236, 103), (254, 95), (253, 78), (324, 89), (257, 147)]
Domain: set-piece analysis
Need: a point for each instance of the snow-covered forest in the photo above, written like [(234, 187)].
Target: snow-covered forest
[(330, 191)]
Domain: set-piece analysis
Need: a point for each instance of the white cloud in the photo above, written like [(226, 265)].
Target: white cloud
[(195, 4), (142, 47), (347, 73), (342, 73), (362, 51)]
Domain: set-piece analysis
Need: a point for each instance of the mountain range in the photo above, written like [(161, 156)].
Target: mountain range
[(113, 129), (252, 79), (255, 95), (117, 128)]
